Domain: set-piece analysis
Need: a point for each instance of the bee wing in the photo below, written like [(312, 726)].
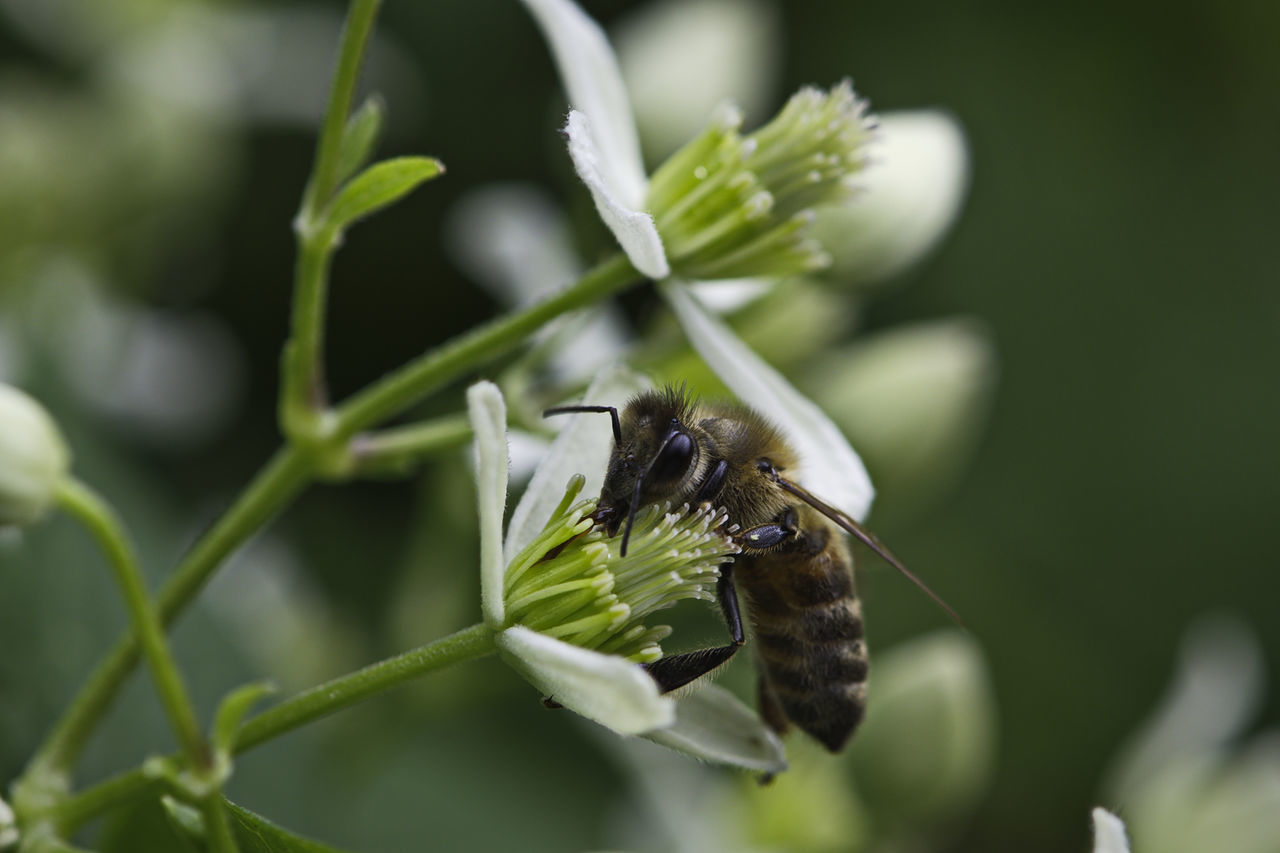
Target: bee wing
[(864, 536)]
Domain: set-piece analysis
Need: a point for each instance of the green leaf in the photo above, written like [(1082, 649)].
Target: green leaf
[(360, 136), (232, 710), (256, 834), (378, 186)]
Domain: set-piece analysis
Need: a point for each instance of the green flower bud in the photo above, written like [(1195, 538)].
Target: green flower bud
[(925, 753), (570, 583), (727, 205), (33, 458)]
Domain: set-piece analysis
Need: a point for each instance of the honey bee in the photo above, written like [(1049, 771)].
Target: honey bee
[(795, 567)]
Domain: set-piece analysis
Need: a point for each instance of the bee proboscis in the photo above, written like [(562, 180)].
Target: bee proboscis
[(795, 568)]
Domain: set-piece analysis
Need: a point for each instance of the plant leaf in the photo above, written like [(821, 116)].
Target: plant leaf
[(256, 834), (378, 186), (360, 136), (231, 712)]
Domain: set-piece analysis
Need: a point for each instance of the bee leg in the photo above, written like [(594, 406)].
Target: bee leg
[(770, 534), (675, 671)]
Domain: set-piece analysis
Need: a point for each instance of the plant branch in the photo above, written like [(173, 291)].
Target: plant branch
[(97, 516), (302, 394), (346, 690), (278, 482)]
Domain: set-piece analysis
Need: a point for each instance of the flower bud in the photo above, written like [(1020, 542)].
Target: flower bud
[(33, 458), (909, 195), (912, 400), (926, 751)]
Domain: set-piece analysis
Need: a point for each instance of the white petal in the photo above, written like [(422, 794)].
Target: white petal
[(682, 58), (488, 414), (713, 725), (608, 689), (591, 78), (633, 228), (829, 466), (1108, 833), (726, 295), (909, 196), (582, 447)]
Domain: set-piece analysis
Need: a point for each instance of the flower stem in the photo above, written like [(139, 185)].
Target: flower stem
[(404, 387), (398, 449), (217, 827), (94, 513), (277, 483), (302, 396), (324, 699)]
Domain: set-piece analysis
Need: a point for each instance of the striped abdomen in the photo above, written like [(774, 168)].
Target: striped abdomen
[(808, 636)]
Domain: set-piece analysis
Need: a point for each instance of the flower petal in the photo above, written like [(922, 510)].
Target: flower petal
[(829, 467), (726, 295), (488, 414), (608, 689), (1108, 833), (713, 725), (582, 447), (634, 229), (593, 82)]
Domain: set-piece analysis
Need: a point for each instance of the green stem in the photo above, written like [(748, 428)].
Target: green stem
[(405, 386), (75, 811), (302, 394), (277, 483), (468, 644), (97, 515), (325, 699), (324, 174), (396, 450), (217, 827)]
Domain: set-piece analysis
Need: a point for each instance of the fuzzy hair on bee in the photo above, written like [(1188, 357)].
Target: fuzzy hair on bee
[(795, 569)]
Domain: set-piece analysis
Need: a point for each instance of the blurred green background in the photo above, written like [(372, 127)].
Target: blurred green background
[(1118, 244)]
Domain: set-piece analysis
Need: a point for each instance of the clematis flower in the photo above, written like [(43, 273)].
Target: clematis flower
[(569, 612), (727, 205)]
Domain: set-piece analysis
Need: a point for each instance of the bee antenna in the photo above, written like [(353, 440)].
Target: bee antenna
[(864, 536), (613, 413)]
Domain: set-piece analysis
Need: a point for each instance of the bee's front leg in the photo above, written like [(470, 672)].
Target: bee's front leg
[(675, 671)]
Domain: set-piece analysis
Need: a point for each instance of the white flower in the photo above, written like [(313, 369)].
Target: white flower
[(606, 153), (545, 611)]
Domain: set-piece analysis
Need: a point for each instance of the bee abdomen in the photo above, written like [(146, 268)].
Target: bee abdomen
[(816, 667)]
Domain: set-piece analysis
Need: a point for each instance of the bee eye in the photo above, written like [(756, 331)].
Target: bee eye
[(674, 458)]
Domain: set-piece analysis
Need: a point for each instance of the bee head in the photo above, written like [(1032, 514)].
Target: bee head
[(655, 456)]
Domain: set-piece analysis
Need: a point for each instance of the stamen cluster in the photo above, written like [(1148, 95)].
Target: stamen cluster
[(571, 583), (730, 206)]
